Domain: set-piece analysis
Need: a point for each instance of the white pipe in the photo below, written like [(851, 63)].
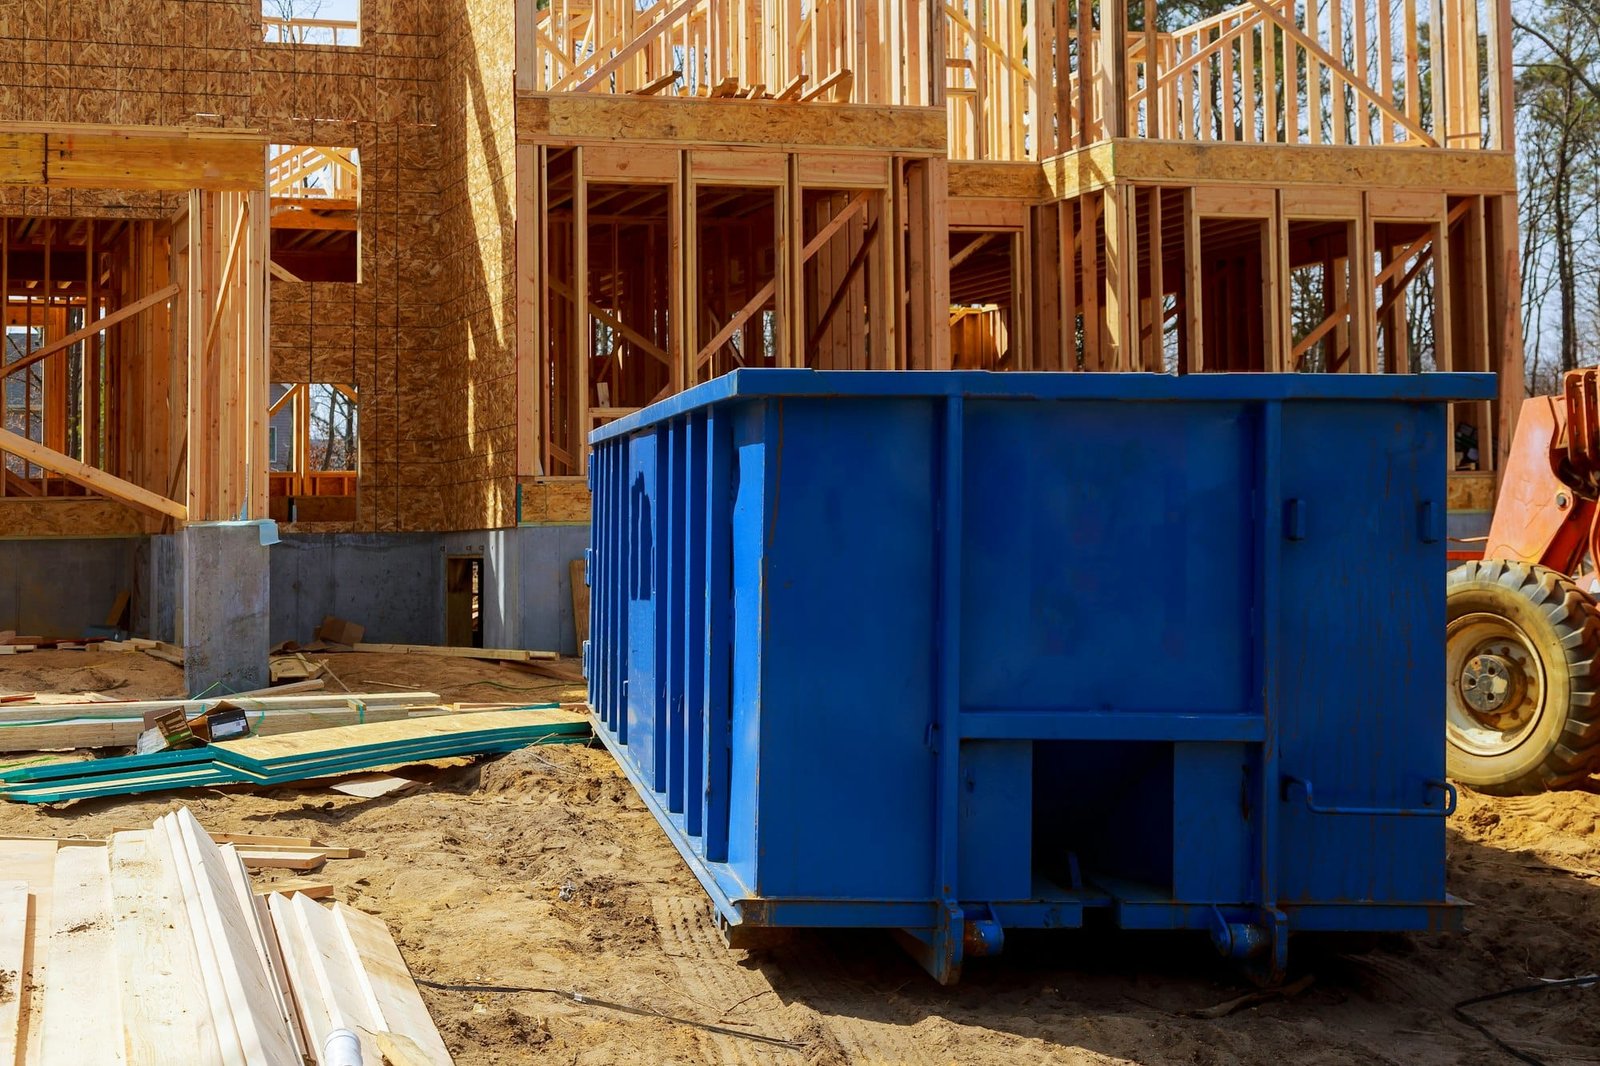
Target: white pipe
[(342, 1048)]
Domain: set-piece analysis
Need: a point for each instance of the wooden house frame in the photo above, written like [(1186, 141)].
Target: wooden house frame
[(562, 212)]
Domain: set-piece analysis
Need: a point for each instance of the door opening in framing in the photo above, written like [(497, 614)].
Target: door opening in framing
[(463, 601)]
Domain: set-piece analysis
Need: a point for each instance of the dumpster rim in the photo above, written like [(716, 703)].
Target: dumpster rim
[(800, 383)]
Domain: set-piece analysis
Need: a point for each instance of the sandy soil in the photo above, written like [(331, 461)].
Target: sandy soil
[(543, 869)]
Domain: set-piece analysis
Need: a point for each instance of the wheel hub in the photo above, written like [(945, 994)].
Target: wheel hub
[(1496, 684), (1486, 682)]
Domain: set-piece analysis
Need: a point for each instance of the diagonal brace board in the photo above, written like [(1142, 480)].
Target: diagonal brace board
[(857, 203), (1342, 72), (121, 313), (89, 477)]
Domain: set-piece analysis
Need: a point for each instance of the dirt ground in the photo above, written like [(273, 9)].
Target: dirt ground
[(543, 869)]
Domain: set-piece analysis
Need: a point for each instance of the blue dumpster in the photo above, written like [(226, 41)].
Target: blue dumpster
[(955, 653)]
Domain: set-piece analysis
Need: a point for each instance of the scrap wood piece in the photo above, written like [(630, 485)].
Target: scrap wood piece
[(339, 631), (254, 840), (311, 684), (167, 653), (374, 785), (301, 886), (507, 654), (558, 670), (118, 609)]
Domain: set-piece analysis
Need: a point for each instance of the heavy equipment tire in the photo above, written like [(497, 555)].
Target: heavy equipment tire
[(1522, 659)]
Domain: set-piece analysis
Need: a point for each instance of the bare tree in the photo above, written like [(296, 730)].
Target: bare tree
[(1558, 107), (291, 11)]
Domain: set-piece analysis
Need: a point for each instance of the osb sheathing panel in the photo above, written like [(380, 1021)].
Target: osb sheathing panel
[(427, 334), (476, 442), (178, 62)]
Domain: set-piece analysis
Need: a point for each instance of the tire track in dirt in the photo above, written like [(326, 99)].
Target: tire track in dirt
[(716, 988)]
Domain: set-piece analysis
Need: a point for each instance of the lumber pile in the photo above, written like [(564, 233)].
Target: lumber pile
[(297, 757), (41, 726), (154, 947)]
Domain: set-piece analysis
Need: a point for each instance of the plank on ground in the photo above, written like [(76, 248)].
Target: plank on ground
[(323, 969), (161, 994), (80, 984), (295, 886), (511, 654), (207, 950), (259, 924), (123, 732), (389, 983), (15, 906), (250, 994), (33, 863)]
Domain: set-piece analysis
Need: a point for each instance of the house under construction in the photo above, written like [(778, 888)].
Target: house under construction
[(377, 280)]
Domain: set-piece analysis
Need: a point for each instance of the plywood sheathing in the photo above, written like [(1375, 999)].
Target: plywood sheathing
[(476, 418), (384, 334)]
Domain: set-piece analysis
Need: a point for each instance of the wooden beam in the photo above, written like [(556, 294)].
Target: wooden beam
[(602, 118), (121, 313), (146, 158), (83, 474), (971, 247)]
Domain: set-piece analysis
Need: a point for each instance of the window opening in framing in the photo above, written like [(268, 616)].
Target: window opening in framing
[(324, 22), (315, 194), (314, 462)]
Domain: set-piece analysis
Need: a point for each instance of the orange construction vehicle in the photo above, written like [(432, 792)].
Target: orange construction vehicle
[(1522, 643)]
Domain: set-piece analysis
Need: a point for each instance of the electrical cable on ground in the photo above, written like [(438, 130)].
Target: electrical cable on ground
[(579, 997), (1460, 1010)]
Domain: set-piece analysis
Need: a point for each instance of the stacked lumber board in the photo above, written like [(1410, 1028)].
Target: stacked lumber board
[(39, 726), (510, 655), (295, 757), (154, 948)]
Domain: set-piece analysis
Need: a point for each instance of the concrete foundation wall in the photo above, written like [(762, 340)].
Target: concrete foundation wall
[(530, 592), (391, 583), (394, 584), (58, 588)]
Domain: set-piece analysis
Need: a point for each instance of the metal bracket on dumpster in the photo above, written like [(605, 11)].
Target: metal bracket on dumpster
[(1292, 785)]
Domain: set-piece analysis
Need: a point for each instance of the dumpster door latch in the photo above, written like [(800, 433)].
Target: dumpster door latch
[(1296, 787)]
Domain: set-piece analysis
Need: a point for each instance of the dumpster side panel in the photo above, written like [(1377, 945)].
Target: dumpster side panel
[(1362, 653), (752, 474), (1108, 557), (847, 773), (645, 530)]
